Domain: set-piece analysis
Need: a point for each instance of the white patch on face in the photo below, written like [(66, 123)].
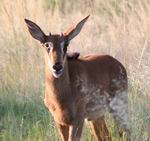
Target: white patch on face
[(49, 63), (62, 47), (56, 75), (53, 71), (49, 46)]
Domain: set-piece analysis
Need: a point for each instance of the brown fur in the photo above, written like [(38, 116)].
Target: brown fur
[(64, 98), (86, 88)]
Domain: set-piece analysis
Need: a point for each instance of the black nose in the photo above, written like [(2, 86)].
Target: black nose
[(57, 67)]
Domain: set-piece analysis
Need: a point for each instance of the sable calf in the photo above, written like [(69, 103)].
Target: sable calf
[(82, 87)]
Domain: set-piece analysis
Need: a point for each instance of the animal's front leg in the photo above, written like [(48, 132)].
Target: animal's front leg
[(64, 132), (75, 130)]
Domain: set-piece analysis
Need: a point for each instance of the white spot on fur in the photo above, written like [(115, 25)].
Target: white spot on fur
[(119, 109), (96, 104)]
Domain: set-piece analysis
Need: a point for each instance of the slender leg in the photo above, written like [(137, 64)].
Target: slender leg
[(119, 109), (64, 132), (100, 130), (75, 130)]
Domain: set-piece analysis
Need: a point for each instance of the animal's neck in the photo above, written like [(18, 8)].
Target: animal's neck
[(58, 86)]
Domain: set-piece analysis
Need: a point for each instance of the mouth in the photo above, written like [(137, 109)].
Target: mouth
[(57, 73)]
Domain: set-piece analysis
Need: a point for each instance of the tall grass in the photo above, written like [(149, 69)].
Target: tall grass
[(120, 28)]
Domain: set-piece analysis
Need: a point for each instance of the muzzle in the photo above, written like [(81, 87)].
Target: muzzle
[(57, 69)]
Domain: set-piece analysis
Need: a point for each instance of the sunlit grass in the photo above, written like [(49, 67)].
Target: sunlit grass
[(119, 28)]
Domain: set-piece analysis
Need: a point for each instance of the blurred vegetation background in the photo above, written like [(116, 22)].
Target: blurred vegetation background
[(120, 28)]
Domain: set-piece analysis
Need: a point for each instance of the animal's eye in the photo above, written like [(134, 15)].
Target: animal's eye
[(47, 45)]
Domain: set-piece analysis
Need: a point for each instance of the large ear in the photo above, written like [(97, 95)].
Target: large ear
[(72, 32), (35, 31)]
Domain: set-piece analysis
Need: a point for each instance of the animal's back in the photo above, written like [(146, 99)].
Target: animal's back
[(98, 70)]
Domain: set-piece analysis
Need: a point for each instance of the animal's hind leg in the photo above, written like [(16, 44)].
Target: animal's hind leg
[(119, 109), (100, 129)]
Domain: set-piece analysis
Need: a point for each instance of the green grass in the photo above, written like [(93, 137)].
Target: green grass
[(27, 119)]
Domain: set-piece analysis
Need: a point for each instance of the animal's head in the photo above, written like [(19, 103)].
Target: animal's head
[(55, 45)]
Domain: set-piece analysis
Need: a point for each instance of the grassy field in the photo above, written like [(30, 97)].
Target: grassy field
[(120, 28)]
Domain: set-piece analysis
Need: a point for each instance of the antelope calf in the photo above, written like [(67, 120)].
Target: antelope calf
[(81, 88)]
